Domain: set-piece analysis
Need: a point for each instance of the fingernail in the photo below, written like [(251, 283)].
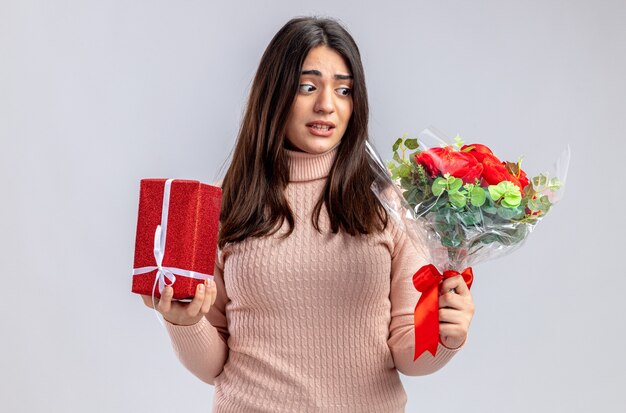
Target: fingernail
[(200, 287)]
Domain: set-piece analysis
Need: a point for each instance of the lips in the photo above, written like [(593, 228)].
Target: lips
[(321, 125), (321, 128)]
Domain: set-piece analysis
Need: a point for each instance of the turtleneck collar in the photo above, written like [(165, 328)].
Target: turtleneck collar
[(305, 166)]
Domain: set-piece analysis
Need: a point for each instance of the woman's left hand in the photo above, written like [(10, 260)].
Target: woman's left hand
[(455, 311)]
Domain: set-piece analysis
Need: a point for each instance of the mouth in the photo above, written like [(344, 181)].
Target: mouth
[(322, 126), (321, 129)]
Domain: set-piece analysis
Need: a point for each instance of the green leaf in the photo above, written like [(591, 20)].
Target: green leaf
[(396, 144), (495, 192), (489, 207), (507, 213), (455, 183), (449, 217), (446, 216), (443, 227), (529, 191), (478, 196), (540, 180), (469, 218), (396, 157), (439, 185), (404, 170), (406, 183), (394, 172), (411, 144), (478, 215), (444, 220), (506, 192), (534, 205), (451, 241), (457, 199), (442, 203), (511, 199)]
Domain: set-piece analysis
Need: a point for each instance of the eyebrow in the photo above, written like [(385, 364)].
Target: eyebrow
[(318, 73)]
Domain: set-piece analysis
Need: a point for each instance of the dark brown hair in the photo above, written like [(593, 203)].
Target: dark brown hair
[(253, 198)]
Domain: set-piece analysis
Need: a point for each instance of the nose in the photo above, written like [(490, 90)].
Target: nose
[(324, 102)]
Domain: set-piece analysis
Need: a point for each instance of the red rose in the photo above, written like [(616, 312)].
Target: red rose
[(428, 160), (440, 161), (477, 150), (494, 170)]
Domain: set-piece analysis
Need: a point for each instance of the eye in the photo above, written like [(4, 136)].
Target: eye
[(344, 91), (307, 88)]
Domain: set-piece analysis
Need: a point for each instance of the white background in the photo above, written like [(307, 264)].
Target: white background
[(95, 95)]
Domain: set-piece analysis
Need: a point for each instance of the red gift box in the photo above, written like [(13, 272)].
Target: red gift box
[(176, 241)]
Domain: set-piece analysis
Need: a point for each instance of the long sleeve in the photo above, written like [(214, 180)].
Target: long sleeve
[(404, 297), (202, 348)]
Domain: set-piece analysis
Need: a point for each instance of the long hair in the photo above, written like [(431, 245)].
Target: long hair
[(253, 197)]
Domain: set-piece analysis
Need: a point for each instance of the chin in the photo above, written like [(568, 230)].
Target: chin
[(314, 148), (319, 149)]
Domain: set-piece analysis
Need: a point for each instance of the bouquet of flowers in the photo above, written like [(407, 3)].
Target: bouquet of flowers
[(459, 204)]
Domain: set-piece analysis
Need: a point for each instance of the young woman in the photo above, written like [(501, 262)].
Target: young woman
[(311, 308)]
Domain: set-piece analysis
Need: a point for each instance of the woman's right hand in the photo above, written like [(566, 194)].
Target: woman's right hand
[(185, 314)]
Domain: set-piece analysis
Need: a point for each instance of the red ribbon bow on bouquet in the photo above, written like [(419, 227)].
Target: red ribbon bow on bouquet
[(426, 316)]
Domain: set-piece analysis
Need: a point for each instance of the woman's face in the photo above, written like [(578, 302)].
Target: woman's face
[(323, 106)]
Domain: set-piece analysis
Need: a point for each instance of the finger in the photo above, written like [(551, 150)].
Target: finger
[(444, 291), (450, 315), (447, 330), (450, 300), (210, 296), (462, 288), (147, 300), (165, 303), (450, 283), (457, 282), (447, 285), (196, 304)]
